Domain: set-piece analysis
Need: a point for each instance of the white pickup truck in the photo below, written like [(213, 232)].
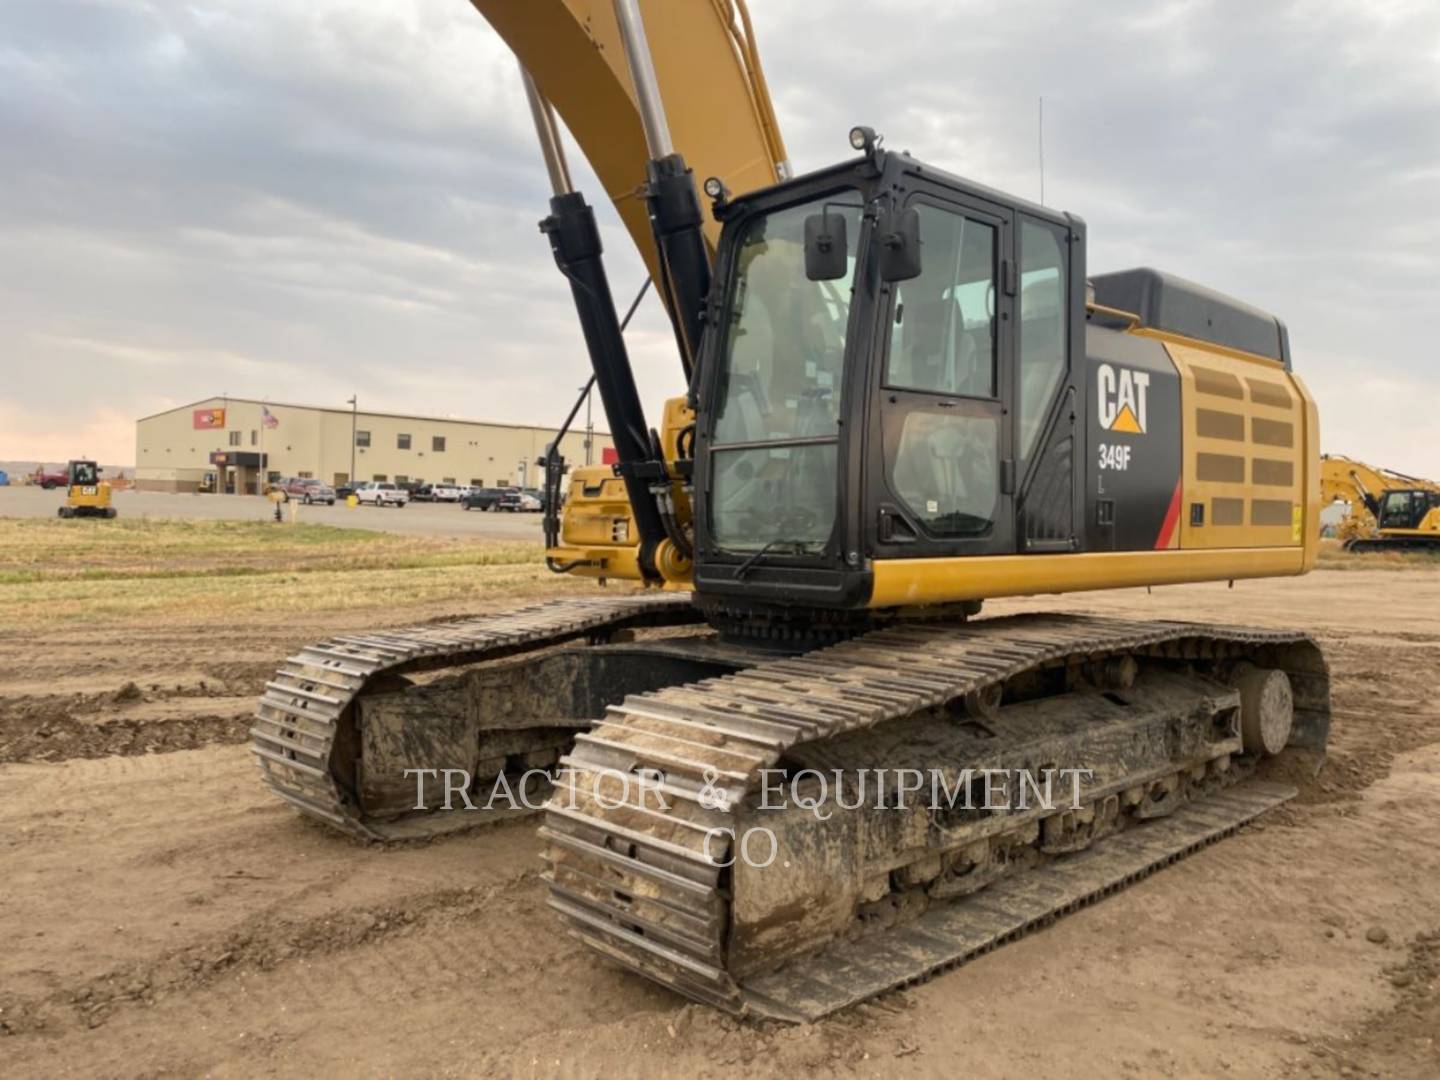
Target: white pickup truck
[(376, 493)]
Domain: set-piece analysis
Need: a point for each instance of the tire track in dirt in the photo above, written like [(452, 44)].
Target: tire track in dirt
[(1408, 1030), (268, 941)]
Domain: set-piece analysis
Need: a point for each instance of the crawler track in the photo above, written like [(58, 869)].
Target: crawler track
[(1419, 542), (636, 883), (305, 723)]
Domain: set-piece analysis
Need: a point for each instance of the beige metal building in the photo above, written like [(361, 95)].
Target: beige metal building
[(228, 444)]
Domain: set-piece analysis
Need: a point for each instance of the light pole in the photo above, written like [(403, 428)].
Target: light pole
[(354, 411)]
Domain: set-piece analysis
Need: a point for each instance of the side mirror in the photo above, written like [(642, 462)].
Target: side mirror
[(899, 236), (826, 252)]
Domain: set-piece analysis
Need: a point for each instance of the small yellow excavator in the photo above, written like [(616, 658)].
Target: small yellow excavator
[(1388, 511), (86, 495), (902, 394)]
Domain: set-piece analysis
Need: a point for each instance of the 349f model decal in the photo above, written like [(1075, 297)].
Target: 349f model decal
[(1131, 479)]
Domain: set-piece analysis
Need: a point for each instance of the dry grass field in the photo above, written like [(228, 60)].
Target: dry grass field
[(164, 916), (86, 570)]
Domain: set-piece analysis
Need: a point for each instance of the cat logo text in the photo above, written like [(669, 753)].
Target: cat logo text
[(1122, 394)]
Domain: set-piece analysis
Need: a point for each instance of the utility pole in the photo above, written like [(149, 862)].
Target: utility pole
[(354, 415)]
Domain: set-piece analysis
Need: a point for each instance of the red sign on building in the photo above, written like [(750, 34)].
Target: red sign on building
[(609, 456), (206, 419)]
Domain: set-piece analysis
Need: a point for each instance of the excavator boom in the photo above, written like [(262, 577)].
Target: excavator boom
[(716, 100)]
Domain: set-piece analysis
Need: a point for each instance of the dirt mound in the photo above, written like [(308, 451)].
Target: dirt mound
[(50, 730)]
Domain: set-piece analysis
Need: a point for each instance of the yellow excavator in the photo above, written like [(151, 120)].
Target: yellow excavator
[(86, 495), (781, 742), (1387, 510)]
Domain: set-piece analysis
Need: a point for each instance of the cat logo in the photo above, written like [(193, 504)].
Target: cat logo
[(1122, 399)]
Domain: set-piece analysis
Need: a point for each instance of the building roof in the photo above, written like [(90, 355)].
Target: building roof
[(364, 412)]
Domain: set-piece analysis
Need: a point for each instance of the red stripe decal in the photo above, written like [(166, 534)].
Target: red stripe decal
[(1167, 527)]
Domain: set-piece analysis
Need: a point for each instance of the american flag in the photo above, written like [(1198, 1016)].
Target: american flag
[(268, 418)]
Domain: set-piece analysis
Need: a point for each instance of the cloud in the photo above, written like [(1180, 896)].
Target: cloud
[(304, 201)]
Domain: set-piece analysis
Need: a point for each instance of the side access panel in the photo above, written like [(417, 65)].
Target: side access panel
[(1132, 445)]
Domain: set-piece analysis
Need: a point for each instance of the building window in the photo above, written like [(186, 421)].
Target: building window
[(437, 443), (235, 438), (402, 442), (254, 437), (477, 483), (447, 480), (379, 477), (362, 438), (272, 477), (399, 479), (341, 478), (307, 476)]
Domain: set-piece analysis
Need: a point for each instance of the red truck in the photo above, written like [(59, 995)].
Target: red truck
[(49, 480)]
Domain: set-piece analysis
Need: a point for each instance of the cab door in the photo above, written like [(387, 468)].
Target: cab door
[(940, 475)]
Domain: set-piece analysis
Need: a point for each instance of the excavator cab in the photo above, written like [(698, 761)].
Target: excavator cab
[(888, 349), (1406, 509)]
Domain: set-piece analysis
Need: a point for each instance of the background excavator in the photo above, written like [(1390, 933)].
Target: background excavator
[(1388, 511), (86, 495), (903, 395)]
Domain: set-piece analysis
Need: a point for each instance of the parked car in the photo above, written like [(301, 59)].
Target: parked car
[(419, 492), (518, 501), (308, 490), (445, 492), (379, 493), (344, 491), (482, 498)]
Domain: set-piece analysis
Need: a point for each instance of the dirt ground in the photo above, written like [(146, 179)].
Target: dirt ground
[(162, 915)]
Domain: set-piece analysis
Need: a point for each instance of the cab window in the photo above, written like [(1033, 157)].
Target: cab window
[(943, 338), (1042, 326)]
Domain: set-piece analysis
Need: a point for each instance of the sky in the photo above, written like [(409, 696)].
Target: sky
[(300, 202)]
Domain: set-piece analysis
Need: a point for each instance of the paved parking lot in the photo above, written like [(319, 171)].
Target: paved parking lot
[(417, 519)]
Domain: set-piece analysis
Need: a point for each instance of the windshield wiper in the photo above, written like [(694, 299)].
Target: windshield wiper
[(797, 548)]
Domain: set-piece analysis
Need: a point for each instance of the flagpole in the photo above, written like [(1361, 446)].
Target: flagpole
[(264, 461)]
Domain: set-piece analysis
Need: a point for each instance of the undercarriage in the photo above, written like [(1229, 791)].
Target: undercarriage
[(780, 831)]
